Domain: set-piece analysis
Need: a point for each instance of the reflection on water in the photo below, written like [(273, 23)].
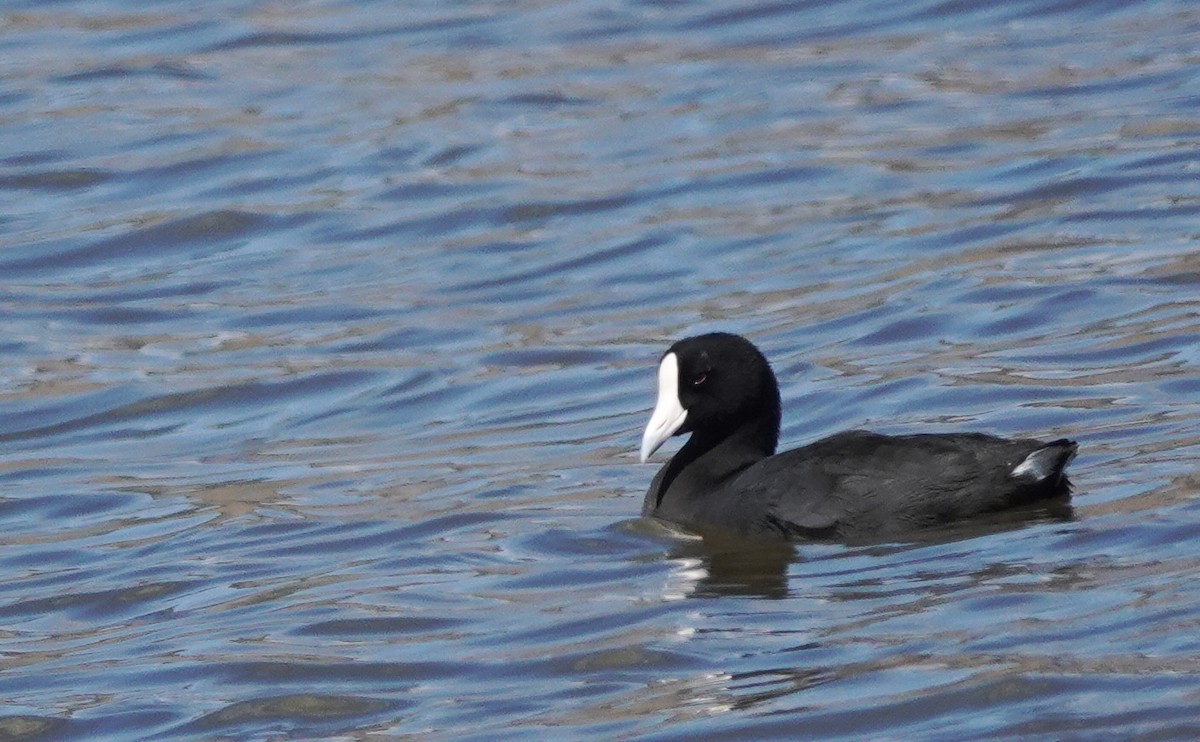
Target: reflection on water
[(719, 565), (330, 330)]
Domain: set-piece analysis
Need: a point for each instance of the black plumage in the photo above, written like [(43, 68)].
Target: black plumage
[(852, 485)]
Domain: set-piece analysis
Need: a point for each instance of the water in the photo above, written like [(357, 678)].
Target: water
[(330, 330)]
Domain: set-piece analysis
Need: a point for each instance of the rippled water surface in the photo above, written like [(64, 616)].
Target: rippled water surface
[(330, 330)]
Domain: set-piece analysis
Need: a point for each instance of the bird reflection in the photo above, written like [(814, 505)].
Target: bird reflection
[(712, 568)]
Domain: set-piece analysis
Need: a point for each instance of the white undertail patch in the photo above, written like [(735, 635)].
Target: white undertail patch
[(1039, 464)]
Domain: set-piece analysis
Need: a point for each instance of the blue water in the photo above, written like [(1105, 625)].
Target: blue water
[(330, 331)]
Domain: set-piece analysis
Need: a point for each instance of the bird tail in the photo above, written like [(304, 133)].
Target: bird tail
[(1048, 462)]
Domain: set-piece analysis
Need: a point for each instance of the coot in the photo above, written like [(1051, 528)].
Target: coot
[(727, 478)]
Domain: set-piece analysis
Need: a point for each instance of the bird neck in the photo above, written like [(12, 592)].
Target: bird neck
[(711, 456), (753, 437), (706, 459)]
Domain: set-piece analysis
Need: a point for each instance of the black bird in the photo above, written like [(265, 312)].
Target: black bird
[(727, 478)]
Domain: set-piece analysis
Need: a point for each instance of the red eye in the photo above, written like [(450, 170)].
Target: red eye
[(699, 379)]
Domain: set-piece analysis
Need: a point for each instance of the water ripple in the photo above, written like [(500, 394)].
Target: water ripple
[(330, 333)]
